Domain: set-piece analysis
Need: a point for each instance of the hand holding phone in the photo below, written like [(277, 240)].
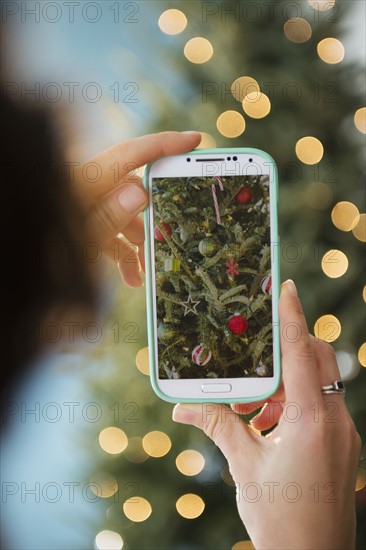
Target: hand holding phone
[(212, 275)]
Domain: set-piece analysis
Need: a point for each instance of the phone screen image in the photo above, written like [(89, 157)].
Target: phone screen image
[(212, 260)]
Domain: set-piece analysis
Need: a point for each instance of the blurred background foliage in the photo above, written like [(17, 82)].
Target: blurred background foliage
[(309, 89)]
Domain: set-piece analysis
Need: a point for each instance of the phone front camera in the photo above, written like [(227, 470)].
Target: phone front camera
[(188, 159), (235, 158), (228, 158), (250, 160)]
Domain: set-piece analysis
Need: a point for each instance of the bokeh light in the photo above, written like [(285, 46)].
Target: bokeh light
[(108, 540), (330, 50), (327, 328), (243, 86), (243, 545), (142, 361), (362, 354), (137, 509), (172, 21), (361, 478), (322, 5), (297, 30), (364, 293), (345, 215), (360, 230), (360, 120), (103, 485), (190, 462), (230, 124), (190, 506), (256, 105), (207, 141), (113, 440), (309, 150), (198, 50), (347, 364), (334, 263), (135, 451), (318, 195), (156, 444)]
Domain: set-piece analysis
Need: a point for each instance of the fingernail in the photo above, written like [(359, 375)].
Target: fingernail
[(185, 414), (191, 133), (290, 286), (132, 198)]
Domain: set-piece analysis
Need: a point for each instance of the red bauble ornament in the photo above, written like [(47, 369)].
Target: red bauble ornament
[(244, 196), (237, 324), (158, 234)]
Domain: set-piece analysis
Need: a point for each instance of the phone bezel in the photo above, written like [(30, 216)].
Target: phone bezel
[(190, 390)]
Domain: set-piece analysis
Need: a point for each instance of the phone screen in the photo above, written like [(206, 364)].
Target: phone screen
[(212, 253)]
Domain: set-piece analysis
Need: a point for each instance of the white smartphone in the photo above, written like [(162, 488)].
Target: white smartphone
[(212, 276)]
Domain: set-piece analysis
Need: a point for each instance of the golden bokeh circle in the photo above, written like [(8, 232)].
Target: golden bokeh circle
[(364, 293), (361, 478), (113, 440), (297, 30), (318, 195), (360, 120), (327, 328), (108, 540), (207, 141), (103, 485), (190, 506), (334, 263), (256, 105), (360, 230), (137, 509), (135, 452), (190, 462), (198, 50), (243, 86), (330, 50), (172, 21), (345, 216), (243, 545), (142, 361), (230, 124), (322, 5), (309, 150), (362, 354), (156, 444)]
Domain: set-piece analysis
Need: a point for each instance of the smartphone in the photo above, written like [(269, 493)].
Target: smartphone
[(212, 276)]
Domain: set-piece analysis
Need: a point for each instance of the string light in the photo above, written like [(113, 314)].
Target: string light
[(135, 452), (103, 485), (243, 86), (172, 21), (309, 150), (198, 50), (319, 195), (345, 215), (142, 361), (230, 124), (360, 120), (243, 545), (113, 440), (190, 462), (360, 230), (330, 50), (327, 328), (362, 354), (297, 30), (322, 5), (137, 509), (207, 141), (361, 479), (108, 540), (190, 506), (364, 293), (156, 444), (256, 105), (334, 263)]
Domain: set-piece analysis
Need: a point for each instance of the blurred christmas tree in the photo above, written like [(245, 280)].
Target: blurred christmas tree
[(294, 84)]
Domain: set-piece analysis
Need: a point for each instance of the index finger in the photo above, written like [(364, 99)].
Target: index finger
[(299, 364), (110, 168)]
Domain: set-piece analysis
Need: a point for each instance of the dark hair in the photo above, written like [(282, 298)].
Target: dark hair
[(39, 216)]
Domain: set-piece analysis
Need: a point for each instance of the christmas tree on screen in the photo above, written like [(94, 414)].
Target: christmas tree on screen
[(213, 281)]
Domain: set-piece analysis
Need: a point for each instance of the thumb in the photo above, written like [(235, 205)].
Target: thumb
[(116, 211), (224, 427)]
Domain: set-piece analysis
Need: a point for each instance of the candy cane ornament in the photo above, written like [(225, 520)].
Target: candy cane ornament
[(214, 196)]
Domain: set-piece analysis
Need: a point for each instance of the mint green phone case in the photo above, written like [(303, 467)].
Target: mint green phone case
[(275, 284)]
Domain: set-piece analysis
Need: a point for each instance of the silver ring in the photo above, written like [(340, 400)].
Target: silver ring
[(336, 387)]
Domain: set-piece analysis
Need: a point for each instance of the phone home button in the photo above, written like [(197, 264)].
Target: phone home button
[(216, 388)]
